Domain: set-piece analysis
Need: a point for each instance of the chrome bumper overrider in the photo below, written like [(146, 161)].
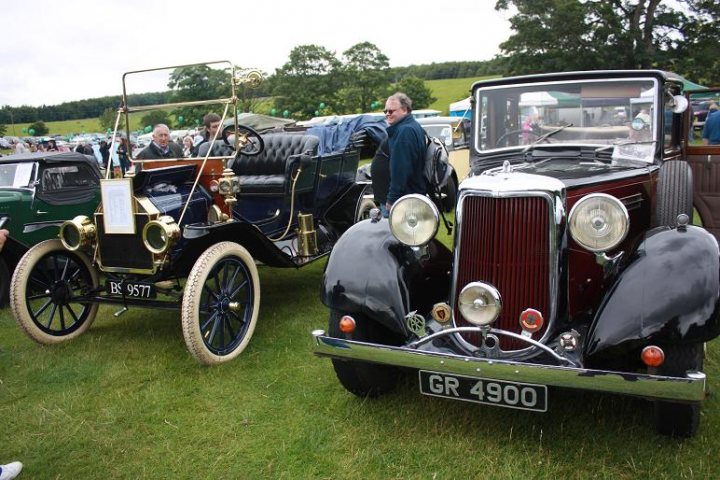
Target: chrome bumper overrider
[(690, 388)]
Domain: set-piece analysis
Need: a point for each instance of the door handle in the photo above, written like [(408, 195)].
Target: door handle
[(40, 212)]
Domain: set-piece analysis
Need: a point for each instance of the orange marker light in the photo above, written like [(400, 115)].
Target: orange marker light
[(652, 356), (347, 324), (531, 320)]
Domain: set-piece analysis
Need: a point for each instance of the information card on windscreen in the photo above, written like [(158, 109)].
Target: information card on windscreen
[(117, 201)]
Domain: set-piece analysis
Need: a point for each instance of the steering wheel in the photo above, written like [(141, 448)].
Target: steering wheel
[(250, 142), (506, 136)]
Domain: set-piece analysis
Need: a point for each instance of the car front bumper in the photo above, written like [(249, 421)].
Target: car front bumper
[(683, 389)]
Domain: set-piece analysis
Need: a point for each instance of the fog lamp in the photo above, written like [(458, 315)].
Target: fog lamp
[(652, 356), (161, 234), (599, 222), (414, 220), (77, 233), (225, 185), (480, 303)]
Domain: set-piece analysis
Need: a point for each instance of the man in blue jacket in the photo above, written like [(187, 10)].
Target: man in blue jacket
[(406, 142)]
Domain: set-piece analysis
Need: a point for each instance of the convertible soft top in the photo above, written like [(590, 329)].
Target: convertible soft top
[(52, 157)]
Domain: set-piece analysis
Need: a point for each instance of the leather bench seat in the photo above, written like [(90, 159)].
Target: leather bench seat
[(270, 172)]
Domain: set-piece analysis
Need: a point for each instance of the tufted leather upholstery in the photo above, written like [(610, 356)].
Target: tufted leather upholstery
[(270, 172)]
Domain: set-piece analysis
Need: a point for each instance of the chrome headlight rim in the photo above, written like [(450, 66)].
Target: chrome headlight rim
[(169, 232), (396, 223), (480, 303), (611, 201)]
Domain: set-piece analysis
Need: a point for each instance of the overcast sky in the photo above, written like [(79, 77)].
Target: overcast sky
[(56, 51)]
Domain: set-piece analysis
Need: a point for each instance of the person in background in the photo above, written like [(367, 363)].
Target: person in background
[(51, 146), (104, 152), (212, 123), (19, 147), (187, 146), (406, 145), (711, 130), (160, 146), (123, 150)]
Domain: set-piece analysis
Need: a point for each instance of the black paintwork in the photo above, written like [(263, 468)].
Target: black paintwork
[(369, 271), (669, 292)]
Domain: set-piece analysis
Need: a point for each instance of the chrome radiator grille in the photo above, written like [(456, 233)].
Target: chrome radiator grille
[(506, 242)]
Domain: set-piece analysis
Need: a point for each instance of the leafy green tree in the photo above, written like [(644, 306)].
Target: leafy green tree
[(3, 129), (39, 127), (366, 77), (198, 82), (562, 35), (311, 76), (154, 117), (108, 117), (415, 88)]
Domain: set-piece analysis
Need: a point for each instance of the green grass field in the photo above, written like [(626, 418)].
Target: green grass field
[(126, 400)]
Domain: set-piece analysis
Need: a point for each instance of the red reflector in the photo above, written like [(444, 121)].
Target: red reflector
[(347, 324), (652, 356), (531, 320)]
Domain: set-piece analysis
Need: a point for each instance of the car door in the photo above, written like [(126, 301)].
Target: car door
[(63, 191), (704, 160)]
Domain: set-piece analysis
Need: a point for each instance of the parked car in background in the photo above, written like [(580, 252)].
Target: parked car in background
[(454, 132), (38, 192), (187, 234), (574, 263)]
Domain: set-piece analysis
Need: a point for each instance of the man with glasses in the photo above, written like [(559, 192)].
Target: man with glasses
[(406, 142)]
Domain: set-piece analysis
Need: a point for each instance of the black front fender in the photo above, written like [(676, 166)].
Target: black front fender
[(371, 272), (669, 292)]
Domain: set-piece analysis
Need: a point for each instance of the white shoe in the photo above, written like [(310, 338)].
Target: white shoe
[(10, 471)]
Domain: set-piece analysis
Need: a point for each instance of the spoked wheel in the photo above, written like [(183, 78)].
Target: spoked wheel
[(363, 379), (220, 304), (44, 293)]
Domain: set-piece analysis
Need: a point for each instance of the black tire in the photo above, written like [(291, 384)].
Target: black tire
[(220, 303), (361, 378), (679, 419), (44, 293), (4, 282), (674, 193)]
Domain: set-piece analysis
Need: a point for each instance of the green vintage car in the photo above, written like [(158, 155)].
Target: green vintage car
[(38, 192)]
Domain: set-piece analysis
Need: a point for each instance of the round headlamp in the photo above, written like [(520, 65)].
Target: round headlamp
[(479, 303), (77, 233), (161, 234), (414, 220), (599, 222)]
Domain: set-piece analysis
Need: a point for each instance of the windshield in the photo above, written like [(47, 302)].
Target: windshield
[(16, 175), (593, 113)]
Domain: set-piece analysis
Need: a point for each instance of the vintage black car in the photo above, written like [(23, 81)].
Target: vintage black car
[(185, 234), (575, 263)]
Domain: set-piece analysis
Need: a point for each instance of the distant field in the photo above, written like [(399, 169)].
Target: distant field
[(446, 92)]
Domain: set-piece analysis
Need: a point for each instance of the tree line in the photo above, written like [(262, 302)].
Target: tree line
[(548, 36)]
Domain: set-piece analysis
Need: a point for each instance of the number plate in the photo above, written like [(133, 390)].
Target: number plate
[(131, 289), (523, 396)]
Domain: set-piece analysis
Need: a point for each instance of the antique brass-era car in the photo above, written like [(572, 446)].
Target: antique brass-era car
[(574, 264), (185, 234)]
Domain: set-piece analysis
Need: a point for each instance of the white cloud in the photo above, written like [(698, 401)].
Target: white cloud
[(64, 51)]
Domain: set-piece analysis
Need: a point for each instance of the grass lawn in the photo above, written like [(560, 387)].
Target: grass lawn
[(126, 400)]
